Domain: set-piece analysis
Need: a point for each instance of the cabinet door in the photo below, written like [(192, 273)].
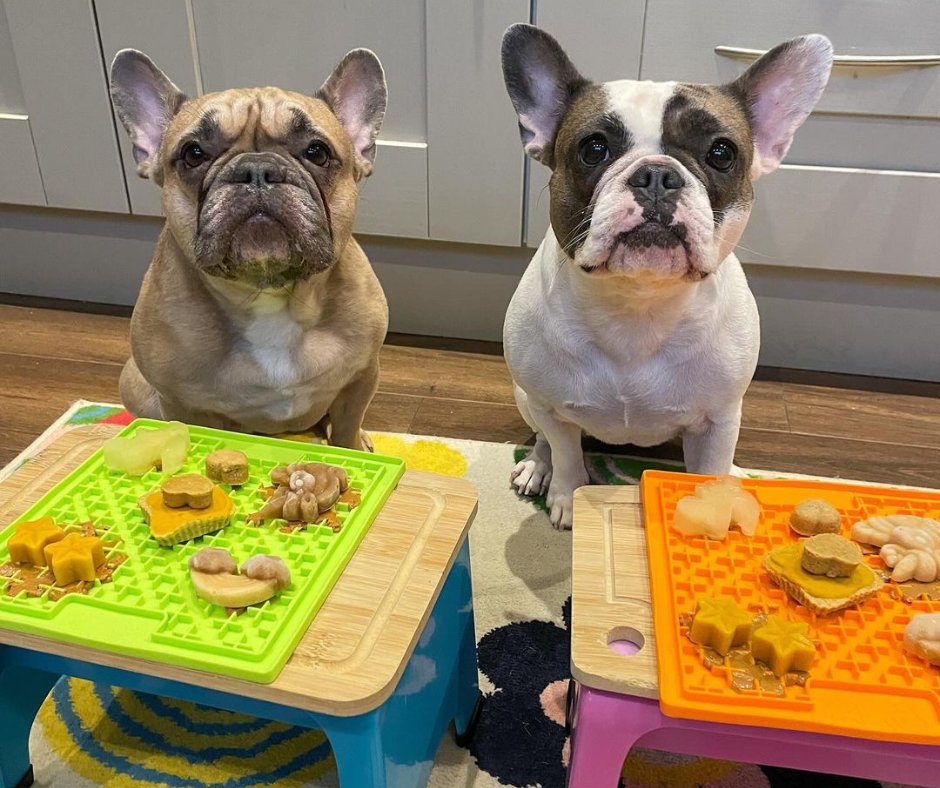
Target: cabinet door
[(20, 182), (161, 30), (475, 175), (65, 95), (295, 44), (601, 53)]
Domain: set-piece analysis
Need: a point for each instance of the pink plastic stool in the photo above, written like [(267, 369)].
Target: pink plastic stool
[(605, 726)]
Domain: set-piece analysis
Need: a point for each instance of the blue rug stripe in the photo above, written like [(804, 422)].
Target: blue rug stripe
[(63, 704), (161, 708), (134, 728)]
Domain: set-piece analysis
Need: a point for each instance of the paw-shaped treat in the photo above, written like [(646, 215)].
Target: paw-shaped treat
[(191, 489), (922, 637), (29, 541), (216, 579), (165, 447), (910, 545), (304, 491), (228, 466)]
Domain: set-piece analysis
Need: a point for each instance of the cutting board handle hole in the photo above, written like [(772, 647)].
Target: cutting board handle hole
[(626, 641)]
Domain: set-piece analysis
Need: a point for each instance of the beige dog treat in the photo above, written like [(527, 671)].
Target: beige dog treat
[(213, 561), (877, 530), (215, 578), (922, 637), (814, 516), (228, 466), (190, 489), (715, 506), (830, 555), (304, 492)]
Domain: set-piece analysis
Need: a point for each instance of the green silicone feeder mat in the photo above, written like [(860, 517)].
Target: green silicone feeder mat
[(149, 608)]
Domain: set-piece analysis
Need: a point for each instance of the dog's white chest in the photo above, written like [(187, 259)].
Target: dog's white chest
[(274, 343)]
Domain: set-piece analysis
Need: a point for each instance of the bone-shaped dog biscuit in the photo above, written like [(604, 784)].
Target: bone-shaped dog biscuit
[(190, 489)]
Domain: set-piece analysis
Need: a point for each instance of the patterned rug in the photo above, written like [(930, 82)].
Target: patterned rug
[(89, 734)]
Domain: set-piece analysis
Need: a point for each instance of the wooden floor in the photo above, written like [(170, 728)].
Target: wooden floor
[(855, 428)]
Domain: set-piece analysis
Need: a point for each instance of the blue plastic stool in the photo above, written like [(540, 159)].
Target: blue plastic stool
[(390, 746)]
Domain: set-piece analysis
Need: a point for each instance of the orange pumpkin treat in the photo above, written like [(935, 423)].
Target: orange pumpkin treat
[(29, 541), (74, 557), (171, 525)]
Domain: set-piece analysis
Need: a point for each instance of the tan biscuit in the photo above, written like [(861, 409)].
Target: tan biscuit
[(191, 489), (814, 516), (830, 555), (228, 466)]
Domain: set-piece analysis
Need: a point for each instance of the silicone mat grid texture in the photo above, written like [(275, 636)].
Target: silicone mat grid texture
[(863, 682), (149, 608)]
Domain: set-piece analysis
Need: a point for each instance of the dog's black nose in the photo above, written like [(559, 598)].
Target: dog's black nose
[(256, 169), (656, 179)]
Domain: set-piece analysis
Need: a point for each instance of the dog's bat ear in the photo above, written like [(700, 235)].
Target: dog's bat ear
[(541, 81), (146, 101), (357, 94), (780, 90)]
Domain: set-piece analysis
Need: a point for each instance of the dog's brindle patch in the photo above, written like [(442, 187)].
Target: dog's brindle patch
[(693, 119), (572, 183)]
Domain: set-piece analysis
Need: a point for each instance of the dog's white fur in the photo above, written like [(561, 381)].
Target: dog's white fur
[(621, 345)]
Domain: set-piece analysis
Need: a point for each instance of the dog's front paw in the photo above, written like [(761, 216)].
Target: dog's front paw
[(560, 503), (366, 441), (531, 476)]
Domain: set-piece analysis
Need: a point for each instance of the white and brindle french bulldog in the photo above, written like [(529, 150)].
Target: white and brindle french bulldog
[(634, 322), (259, 311)]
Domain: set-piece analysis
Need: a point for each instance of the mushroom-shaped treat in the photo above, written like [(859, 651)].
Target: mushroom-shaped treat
[(215, 578)]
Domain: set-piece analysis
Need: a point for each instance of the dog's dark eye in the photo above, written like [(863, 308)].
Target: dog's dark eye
[(593, 151), (721, 155), (192, 155), (317, 153)]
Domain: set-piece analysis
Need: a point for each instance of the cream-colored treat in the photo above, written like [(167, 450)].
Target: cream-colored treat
[(228, 466), (910, 545), (814, 516), (165, 447), (191, 489), (830, 555), (877, 530), (714, 507), (215, 578), (922, 637)]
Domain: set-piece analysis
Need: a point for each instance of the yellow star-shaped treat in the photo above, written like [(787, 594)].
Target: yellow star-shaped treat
[(74, 558), (720, 624), (783, 645), (30, 540)]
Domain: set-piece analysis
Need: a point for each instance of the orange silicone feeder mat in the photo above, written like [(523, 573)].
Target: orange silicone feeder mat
[(862, 683)]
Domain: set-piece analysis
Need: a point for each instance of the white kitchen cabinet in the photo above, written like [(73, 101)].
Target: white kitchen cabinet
[(602, 53), (65, 96), (475, 159), (295, 44), (161, 30)]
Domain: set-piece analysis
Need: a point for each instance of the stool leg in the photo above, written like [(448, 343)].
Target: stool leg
[(606, 727), (468, 696), (357, 748), (22, 691)]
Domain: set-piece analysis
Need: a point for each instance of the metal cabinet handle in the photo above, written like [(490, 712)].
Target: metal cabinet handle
[(875, 61)]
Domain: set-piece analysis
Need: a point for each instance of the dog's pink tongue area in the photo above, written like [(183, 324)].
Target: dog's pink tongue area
[(260, 238)]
